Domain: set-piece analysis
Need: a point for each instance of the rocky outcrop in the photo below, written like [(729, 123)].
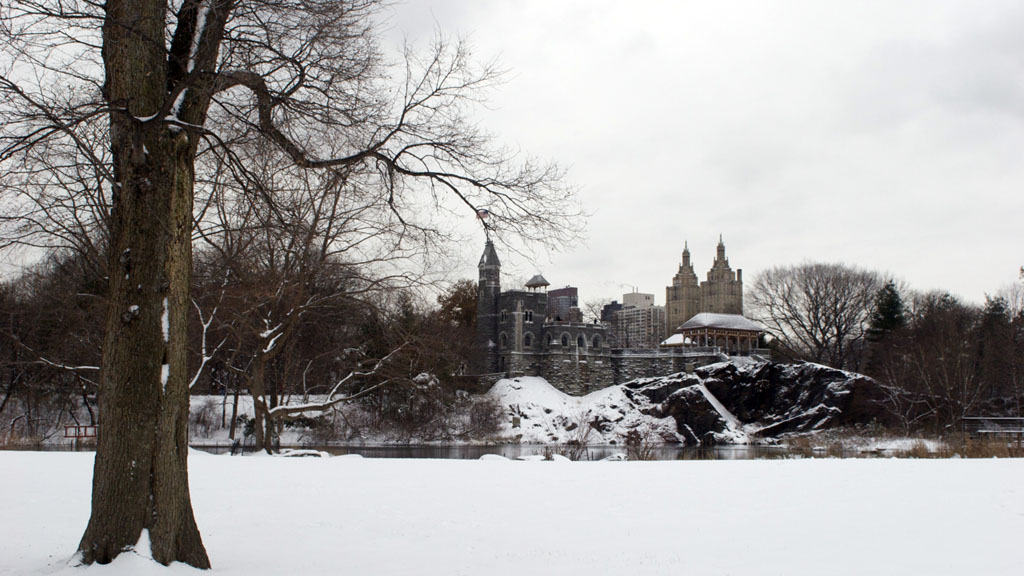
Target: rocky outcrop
[(759, 400), (735, 402)]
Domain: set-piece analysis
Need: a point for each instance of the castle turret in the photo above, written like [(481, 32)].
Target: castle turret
[(488, 293)]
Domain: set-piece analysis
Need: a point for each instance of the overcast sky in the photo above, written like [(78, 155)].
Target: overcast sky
[(886, 135)]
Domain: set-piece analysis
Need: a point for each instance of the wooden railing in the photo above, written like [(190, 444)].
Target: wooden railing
[(993, 426)]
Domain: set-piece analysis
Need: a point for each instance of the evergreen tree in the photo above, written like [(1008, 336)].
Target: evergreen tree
[(458, 304), (888, 315), (995, 347)]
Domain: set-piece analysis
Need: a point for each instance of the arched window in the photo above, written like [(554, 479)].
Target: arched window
[(565, 339), (597, 341), (528, 340), (504, 340), (581, 341)]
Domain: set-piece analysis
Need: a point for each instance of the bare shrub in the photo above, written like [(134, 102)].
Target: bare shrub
[(203, 421), (485, 417), (642, 443), (579, 440), (919, 450)]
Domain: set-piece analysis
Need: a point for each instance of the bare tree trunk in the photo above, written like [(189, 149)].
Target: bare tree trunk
[(7, 396), (140, 480), (234, 415), (257, 389), (88, 407), (141, 475)]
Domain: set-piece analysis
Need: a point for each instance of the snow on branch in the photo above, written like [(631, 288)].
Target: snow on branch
[(77, 370), (332, 399), (206, 356)]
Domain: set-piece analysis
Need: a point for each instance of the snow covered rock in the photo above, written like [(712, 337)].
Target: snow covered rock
[(538, 413), (735, 402)]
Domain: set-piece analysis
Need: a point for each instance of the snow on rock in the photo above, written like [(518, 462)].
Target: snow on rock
[(758, 401), (549, 416), (736, 402)]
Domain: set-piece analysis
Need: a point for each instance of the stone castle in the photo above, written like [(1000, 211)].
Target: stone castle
[(518, 333)]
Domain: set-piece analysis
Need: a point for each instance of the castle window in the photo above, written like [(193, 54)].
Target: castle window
[(597, 341), (528, 316), (504, 340), (580, 341), (528, 340), (504, 316), (565, 339)]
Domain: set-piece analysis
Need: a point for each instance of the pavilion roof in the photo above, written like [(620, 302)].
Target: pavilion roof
[(721, 321), (537, 281)]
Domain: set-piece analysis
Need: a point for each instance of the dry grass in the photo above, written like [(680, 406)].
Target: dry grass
[(852, 445), (967, 447)]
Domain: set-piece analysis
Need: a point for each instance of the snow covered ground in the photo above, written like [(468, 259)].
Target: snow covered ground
[(263, 516)]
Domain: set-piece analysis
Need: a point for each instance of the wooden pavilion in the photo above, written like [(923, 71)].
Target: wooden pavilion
[(733, 333)]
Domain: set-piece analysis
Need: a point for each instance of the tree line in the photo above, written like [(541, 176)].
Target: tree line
[(377, 344), (129, 127), (938, 358)]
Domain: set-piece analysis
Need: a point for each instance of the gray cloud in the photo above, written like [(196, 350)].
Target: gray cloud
[(881, 134)]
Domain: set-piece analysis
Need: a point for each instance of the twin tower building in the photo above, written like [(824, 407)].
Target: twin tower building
[(721, 293), (519, 332)]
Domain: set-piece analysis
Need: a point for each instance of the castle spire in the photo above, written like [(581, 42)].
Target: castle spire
[(686, 253), (488, 295), (490, 256), (721, 248)]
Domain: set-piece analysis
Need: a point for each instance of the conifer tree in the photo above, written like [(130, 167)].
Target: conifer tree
[(995, 347), (888, 315)]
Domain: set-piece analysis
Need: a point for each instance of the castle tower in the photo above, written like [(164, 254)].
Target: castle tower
[(722, 293), (682, 298), (488, 292)]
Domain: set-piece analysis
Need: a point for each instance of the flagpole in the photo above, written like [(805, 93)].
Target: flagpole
[(482, 215)]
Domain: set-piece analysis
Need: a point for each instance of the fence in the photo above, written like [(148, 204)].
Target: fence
[(994, 427)]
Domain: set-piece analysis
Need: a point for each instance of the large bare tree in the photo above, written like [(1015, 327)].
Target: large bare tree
[(293, 244), (818, 312), (137, 91)]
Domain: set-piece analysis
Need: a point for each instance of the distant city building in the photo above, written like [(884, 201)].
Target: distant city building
[(637, 300), (639, 327), (608, 310), (721, 293), (561, 301)]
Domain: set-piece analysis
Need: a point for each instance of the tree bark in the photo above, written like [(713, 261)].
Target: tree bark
[(140, 479)]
